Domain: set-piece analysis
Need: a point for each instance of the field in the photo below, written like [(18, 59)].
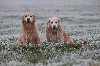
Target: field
[(80, 19)]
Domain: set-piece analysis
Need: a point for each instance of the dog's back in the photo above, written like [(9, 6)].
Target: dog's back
[(67, 39)]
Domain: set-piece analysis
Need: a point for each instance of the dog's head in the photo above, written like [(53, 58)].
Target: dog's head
[(28, 19), (53, 23)]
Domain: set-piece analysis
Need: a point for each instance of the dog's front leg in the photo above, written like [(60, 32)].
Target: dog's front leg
[(60, 38)]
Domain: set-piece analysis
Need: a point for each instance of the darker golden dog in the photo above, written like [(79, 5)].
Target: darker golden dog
[(29, 30)]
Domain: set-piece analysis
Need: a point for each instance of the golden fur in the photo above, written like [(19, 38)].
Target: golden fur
[(57, 35), (29, 31)]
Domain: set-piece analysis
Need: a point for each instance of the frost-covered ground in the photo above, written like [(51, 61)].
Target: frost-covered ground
[(80, 19)]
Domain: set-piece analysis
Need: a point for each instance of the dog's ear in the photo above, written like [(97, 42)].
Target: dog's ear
[(59, 20), (48, 22), (34, 17), (23, 18)]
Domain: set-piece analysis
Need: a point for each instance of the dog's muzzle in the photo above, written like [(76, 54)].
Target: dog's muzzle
[(28, 20), (54, 27)]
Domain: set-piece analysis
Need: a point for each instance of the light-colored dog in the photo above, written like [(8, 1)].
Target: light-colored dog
[(29, 30), (55, 32)]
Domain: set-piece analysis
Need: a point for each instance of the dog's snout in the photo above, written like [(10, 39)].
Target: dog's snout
[(54, 27), (28, 20)]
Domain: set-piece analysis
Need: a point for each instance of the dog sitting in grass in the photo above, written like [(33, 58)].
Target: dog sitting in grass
[(29, 30), (55, 31)]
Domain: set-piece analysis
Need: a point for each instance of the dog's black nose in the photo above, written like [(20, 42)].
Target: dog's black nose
[(54, 27), (28, 20)]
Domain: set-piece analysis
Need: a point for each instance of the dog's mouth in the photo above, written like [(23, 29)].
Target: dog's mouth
[(28, 20), (28, 25)]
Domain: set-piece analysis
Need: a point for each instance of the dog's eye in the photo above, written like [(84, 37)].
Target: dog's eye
[(51, 22), (30, 16), (26, 16), (55, 22)]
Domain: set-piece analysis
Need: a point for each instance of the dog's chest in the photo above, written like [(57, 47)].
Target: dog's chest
[(54, 37), (29, 36)]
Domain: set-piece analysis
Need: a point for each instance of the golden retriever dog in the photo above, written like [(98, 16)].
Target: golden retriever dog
[(55, 32), (29, 30)]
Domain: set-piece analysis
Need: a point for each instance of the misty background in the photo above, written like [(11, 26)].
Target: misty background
[(18, 4)]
